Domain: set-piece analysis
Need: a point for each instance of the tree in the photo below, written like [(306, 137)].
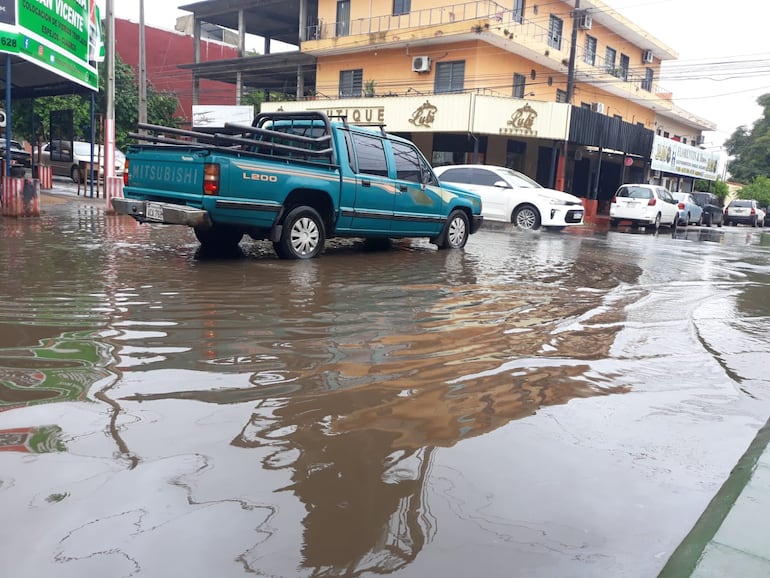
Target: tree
[(30, 122), (751, 149), (759, 190), (718, 187)]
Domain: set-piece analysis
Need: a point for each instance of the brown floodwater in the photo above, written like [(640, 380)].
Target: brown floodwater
[(539, 404)]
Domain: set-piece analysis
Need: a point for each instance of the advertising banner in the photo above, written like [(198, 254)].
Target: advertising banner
[(63, 36), (670, 156)]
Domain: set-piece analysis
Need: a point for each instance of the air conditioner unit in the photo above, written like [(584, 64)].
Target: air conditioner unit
[(421, 64), (647, 56), (597, 107), (585, 21)]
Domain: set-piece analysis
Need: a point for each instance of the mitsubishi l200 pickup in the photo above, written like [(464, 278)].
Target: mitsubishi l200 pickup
[(293, 178)]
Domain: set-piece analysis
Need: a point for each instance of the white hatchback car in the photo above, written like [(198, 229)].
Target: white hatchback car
[(644, 205), (71, 159), (513, 197)]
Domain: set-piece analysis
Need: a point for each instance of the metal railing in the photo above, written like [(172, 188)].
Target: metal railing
[(494, 18)]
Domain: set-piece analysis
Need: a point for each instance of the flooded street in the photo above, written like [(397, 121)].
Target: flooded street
[(537, 405)]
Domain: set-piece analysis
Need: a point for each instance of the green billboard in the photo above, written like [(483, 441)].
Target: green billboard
[(63, 36)]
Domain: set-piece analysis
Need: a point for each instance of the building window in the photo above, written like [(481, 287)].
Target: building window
[(351, 82), (343, 18), (625, 64), (561, 95), (518, 11), (519, 85), (609, 60), (589, 57), (555, 28), (402, 7), (649, 75), (450, 77)]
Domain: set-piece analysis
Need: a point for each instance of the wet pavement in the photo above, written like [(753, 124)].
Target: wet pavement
[(539, 404)]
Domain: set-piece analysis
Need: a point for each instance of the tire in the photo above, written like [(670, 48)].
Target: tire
[(699, 222), (754, 222), (656, 223), (526, 217), (303, 235), (613, 223), (709, 220), (456, 231), (219, 238)]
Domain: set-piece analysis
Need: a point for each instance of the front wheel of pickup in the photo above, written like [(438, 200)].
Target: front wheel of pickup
[(219, 238), (303, 234), (456, 231)]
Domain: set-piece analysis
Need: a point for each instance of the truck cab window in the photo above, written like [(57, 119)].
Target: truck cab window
[(370, 155)]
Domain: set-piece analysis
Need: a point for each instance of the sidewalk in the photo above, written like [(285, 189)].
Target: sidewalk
[(732, 536)]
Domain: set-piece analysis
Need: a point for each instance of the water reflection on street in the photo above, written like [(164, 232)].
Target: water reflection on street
[(538, 404)]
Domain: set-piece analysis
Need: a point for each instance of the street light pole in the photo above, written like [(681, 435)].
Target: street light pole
[(142, 68), (109, 117)]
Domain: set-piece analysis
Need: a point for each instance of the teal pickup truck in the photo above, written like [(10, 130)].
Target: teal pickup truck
[(296, 179)]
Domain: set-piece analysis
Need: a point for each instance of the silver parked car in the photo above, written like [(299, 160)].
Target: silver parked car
[(690, 212), (745, 211), (72, 158)]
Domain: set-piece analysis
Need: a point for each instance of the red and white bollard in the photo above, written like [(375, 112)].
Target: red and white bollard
[(113, 187), (45, 174), (20, 197)]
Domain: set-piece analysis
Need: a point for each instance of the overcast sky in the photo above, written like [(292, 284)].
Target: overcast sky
[(724, 56)]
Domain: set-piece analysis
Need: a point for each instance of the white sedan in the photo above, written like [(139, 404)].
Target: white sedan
[(512, 197)]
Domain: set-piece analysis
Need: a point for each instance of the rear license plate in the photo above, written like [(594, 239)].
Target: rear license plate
[(153, 212)]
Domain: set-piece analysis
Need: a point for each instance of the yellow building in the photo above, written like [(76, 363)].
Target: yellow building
[(566, 92)]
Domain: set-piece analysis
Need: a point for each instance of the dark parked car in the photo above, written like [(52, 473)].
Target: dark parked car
[(713, 213), (19, 155)]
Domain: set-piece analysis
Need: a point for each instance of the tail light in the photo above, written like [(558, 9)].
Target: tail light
[(125, 174), (753, 211), (211, 179), (681, 206), (652, 202)]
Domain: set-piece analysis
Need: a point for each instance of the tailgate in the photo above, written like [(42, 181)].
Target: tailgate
[(167, 174)]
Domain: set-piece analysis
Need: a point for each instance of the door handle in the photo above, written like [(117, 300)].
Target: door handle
[(366, 183), (402, 188)]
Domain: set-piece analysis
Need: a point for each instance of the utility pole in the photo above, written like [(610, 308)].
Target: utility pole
[(561, 169), (109, 121), (142, 68), (572, 52)]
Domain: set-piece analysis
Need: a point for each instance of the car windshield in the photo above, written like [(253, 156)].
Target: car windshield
[(83, 149), (635, 193), (519, 180)]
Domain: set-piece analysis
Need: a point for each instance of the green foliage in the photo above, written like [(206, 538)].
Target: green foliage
[(718, 187), (750, 149), (30, 121), (758, 189)]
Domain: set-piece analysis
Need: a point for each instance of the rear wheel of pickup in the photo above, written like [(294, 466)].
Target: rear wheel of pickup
[(303, 235), (219, 238), (455, 233)]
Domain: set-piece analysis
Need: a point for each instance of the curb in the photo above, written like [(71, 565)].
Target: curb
[(685, 558)]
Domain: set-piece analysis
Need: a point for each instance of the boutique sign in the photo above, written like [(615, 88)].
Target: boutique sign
[(63, 36)]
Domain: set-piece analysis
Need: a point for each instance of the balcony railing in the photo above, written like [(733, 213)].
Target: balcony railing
[(491, 17), (483, 9)]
